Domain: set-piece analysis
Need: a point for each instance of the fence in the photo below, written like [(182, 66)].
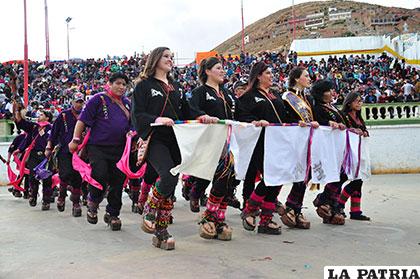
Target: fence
[(391, 113)]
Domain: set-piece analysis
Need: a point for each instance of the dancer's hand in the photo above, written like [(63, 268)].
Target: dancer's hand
[(333, 125), (166, 121), (73, 147), (261, 123), (302, 124), (47, 152), (314, 124), (206, 119), (341, 126)]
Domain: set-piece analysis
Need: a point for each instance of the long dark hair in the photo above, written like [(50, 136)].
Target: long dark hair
[(206, 64), (350, 98), (319, 88), (256, 70), (151, 64), (295, 74)]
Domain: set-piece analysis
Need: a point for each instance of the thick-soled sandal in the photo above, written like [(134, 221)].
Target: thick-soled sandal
[(207, 229), (115, 223), (324, 211), (335, 219), (224, 232), (289, 217), (274, 229), (76, 211), (61, 205), (148, 225), (92, 217), (163, 240), (302, 222), (45, 206), (280, 208), (194, 205)]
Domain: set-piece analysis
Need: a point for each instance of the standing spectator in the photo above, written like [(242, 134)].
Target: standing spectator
[(407, 87)]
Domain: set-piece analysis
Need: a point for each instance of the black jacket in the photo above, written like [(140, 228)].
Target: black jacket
[(148, 101), (351, 123), (254, 106), (324, 114), (206, 101)]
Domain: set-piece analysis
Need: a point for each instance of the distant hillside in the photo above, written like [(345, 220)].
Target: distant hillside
[(320, 20)]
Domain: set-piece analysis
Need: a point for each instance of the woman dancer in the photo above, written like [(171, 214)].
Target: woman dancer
[(158, 99), (212, 99), (260, 106), (328, 115), (352, 112), (299, 110)]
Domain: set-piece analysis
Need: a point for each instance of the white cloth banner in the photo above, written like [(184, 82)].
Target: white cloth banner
[(327, 154), (242, 145), (201, 147), (364, 169), (285, 154)]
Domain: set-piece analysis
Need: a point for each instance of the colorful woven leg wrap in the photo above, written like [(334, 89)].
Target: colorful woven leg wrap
[(267, 210), (163, 214)]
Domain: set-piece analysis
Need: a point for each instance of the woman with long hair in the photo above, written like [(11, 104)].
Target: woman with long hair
[(351, 110), (158, 99), (299, 110), (261, 107), (212, 99), (328, 115)]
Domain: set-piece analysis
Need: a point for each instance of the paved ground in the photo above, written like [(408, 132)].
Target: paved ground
[(36, 244)]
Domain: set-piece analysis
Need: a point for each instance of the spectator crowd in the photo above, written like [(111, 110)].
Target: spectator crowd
[(378, 79)]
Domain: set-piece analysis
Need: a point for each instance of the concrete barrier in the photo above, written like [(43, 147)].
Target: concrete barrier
[(393, 149)]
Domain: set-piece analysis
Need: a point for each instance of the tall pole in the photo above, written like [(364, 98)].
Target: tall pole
[(25, 63), (68, 42), (47, 36), (68, 19), (294, 20), (243, 26)]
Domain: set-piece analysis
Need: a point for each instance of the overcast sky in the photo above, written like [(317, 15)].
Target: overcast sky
[(101, 27)]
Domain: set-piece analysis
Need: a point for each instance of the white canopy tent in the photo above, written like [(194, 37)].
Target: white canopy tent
[(406, 47)]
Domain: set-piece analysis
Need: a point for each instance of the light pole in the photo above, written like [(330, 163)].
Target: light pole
[(47, 36), (68, 37)]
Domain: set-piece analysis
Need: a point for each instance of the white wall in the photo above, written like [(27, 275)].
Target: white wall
[(393, 149)]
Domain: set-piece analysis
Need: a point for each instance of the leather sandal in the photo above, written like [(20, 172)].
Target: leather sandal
[(207, 229), (148, 225), (224, 232), (163, 240), (289, 217)]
